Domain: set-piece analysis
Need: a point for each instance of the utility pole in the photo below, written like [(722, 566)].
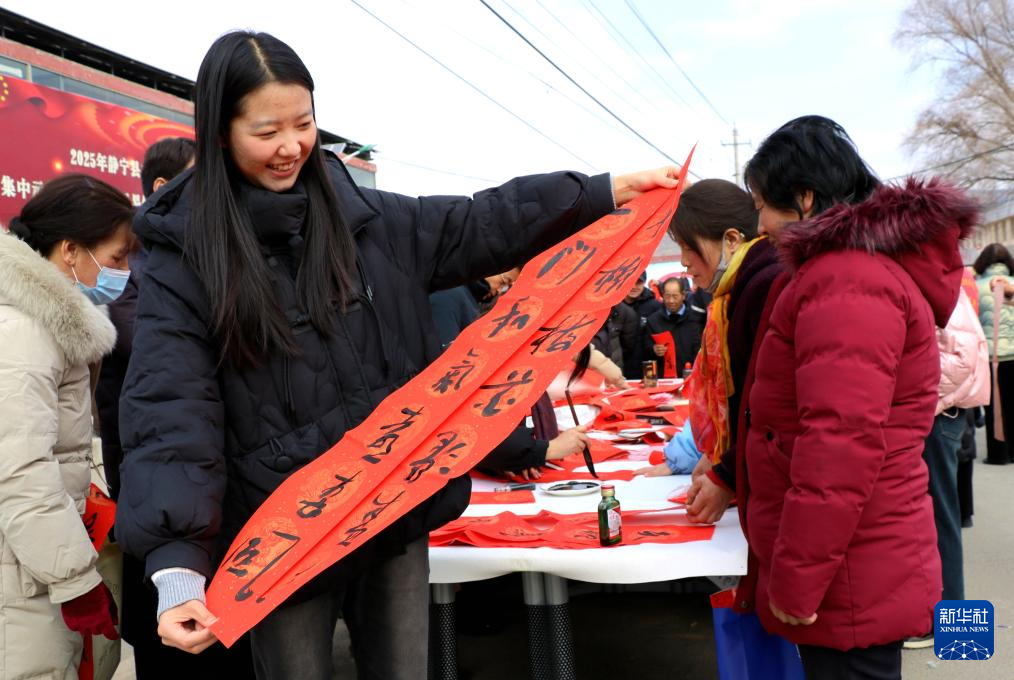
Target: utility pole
[(735, 144)]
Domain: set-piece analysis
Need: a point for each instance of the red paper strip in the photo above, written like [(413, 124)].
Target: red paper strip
[(99, 516), (86, 668), (552, 476), (633, 402), (669, 359), (548, 475), (443, 422), (500, 497), (623, 424), (552, 530)]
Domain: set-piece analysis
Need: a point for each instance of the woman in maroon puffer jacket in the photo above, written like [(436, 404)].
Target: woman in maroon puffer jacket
[(844, 392)]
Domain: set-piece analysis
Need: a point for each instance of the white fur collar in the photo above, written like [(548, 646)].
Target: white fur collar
[(33, 285)]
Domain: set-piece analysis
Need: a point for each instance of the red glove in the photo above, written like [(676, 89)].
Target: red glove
[(93, 613)]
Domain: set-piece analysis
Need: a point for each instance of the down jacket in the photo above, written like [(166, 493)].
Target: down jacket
[(49, 333), (844, 396), (1005, 351), (964, 359), (205, 444)]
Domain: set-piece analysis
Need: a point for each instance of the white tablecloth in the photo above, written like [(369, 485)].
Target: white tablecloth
[(724, 555)]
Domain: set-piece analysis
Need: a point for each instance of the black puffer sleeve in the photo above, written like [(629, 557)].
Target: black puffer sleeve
[(173, 474), (450, 240)]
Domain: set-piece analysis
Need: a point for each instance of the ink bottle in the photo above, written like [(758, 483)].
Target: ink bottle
[(609, 517)]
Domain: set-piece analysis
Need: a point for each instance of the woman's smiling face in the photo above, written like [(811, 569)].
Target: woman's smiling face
[(273, 135)]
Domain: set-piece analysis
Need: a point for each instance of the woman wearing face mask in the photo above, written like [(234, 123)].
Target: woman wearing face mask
[(65, 253), (282, 304), (715, 227)]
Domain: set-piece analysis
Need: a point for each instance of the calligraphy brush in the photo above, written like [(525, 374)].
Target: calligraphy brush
[(587, 453)]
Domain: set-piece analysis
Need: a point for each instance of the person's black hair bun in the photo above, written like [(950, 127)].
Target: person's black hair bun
[(19, 229)]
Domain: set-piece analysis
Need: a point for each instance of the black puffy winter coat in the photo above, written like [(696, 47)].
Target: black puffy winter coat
[(686, 330), (206, 443)]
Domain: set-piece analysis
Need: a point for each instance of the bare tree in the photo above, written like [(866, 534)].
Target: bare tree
[(967, 133)]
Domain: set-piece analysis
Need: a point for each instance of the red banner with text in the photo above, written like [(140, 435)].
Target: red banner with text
[(440, 424), (49, 132)]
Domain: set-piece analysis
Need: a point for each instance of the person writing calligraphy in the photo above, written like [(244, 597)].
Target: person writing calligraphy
[(281, 304)]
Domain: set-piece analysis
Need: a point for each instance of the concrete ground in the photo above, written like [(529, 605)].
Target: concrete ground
[(664, 631), (989, 575)]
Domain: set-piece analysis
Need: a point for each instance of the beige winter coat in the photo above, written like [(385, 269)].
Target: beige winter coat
[(49, 333)]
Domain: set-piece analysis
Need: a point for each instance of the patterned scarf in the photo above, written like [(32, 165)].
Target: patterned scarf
[(710, 384)]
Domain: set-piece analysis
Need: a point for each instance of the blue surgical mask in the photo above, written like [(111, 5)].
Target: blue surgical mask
[(108, 286)]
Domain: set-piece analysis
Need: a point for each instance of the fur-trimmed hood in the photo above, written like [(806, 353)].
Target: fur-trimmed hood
[(917, 224), (31, 284)]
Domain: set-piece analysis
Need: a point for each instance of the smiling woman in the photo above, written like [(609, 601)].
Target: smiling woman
[(282, 304), (273, 135)]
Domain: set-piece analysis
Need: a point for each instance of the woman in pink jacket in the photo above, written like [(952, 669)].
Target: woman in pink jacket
[(844, 396)]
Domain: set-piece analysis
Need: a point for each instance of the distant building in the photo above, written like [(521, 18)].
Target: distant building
[(997, 222), (67, 105)]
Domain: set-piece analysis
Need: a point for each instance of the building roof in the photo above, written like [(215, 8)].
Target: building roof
[(25, 31)]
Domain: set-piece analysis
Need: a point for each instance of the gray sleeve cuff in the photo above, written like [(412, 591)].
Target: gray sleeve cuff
[(176, 586)]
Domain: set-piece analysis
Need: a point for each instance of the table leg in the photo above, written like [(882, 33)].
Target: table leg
[(538, 632), (558, 615), (443, 635)]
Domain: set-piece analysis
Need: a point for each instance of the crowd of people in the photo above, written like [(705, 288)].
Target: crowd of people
[(260, 304)]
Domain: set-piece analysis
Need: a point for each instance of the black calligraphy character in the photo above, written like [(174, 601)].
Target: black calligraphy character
[(244, 557), (491, 407), (662, 223), (368, 518), (559, 338), (517, 532), (512, 318), (89, 523), (646, 535), (311, 509), (612, 279), (386, 441), (456, 375), (564, 253), (581, 247), (423, 465), (587, 534), (553, 261), (245, 592)]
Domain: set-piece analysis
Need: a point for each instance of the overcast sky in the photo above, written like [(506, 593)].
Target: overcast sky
[(758, 64)]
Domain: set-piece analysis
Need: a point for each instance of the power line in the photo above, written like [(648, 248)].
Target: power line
[(472, 85), (575, 83), (592, 73), (956, 161), (605, 62), (678, 67), (612, 30), (513, 64)]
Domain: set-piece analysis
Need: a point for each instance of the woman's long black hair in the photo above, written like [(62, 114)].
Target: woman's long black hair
[(220, 241)]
